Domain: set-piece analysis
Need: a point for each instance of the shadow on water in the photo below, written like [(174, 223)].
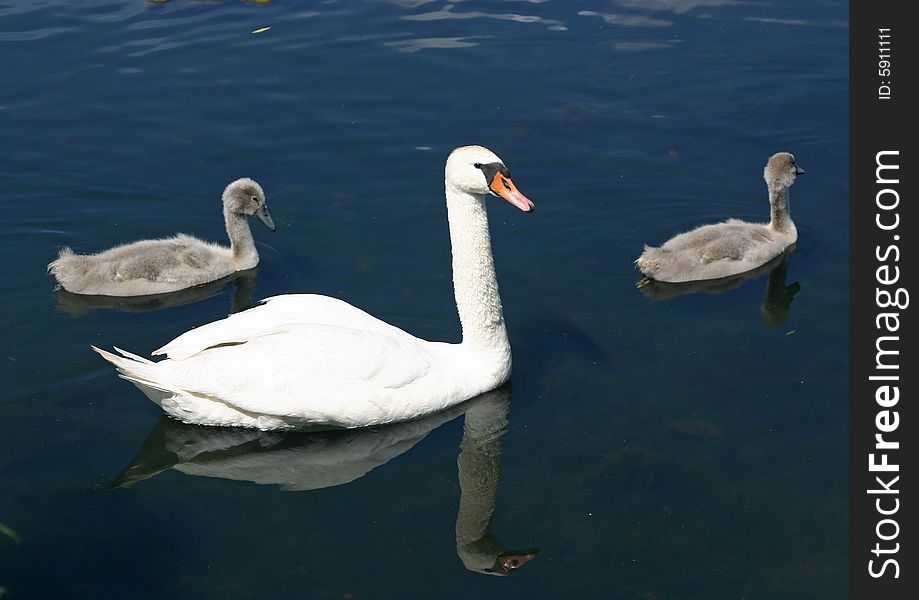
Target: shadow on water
[(776, 303), (79, 304), (298, 461)]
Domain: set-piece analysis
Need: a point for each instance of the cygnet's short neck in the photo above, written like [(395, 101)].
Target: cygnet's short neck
[(242, 246), (780, 214)]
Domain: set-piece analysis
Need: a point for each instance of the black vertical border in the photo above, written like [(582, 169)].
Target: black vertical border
[(878, 125)]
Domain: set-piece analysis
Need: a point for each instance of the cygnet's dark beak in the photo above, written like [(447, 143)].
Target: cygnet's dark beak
[(264, 217), (799, 170)]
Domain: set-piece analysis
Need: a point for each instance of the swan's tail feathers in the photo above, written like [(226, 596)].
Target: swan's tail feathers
[(123, 363), (139, 371), (132, 356), (650, 262)]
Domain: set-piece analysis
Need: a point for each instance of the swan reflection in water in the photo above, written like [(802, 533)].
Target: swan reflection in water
[(298, 461), (776, 304), (244, 286)]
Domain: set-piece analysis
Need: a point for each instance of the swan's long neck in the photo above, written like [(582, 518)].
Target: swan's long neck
[(474, 283), (242, 246), (780, 215)]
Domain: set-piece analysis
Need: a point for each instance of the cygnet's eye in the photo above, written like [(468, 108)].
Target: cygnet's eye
[(255, 198)]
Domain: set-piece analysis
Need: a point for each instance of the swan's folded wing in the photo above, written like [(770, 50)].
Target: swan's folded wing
[(274, 312), (319, 373)]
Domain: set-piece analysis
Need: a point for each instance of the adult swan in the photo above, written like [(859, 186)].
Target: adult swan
[(305, 360)]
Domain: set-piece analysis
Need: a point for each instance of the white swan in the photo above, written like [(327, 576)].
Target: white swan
[(732, 247), (308, 360), (168, 265)]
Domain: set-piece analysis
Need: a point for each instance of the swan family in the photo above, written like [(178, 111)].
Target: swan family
[(309, 361)]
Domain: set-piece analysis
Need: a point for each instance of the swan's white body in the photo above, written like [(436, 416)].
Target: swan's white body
[(733, 247), (171, 264), (309, 360)]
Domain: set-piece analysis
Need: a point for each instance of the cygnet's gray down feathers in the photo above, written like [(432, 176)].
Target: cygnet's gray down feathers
[(732, 247), (170, 264)]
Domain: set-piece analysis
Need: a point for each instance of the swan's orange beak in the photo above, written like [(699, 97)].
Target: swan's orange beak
[(504, 187)]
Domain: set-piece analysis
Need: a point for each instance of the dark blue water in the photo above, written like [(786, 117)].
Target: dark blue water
[(658, 444)]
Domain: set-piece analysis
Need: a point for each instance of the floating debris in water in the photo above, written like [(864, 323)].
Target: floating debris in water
[(8, 532), (261, 30), (791, 332)]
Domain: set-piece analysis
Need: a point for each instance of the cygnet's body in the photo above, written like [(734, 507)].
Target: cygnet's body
[(733, 247), (171, 264)]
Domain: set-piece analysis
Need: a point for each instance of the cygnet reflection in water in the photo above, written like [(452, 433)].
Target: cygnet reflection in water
[(241, 299), (776, 303), (298, 461)]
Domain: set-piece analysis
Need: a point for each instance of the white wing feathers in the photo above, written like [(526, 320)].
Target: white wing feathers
[(273, 312), (318, 373)]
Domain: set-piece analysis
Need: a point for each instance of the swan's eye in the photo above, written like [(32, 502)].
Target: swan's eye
[(477, 165)]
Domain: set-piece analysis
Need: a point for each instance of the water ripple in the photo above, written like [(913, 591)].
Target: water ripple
[(35, 34), (676, 6), (447, 13), (641, 47), (88, 10), (411, 3), (429, 43), (170, 23), (628, 20), (777, 21)]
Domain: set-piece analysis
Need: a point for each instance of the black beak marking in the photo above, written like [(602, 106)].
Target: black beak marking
[(492, 169)]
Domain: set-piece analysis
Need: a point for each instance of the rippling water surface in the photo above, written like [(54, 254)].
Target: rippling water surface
[(659, 443)]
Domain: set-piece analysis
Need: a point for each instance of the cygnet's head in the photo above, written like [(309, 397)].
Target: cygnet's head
[(245, 197), (781, 170), (478, 171)]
